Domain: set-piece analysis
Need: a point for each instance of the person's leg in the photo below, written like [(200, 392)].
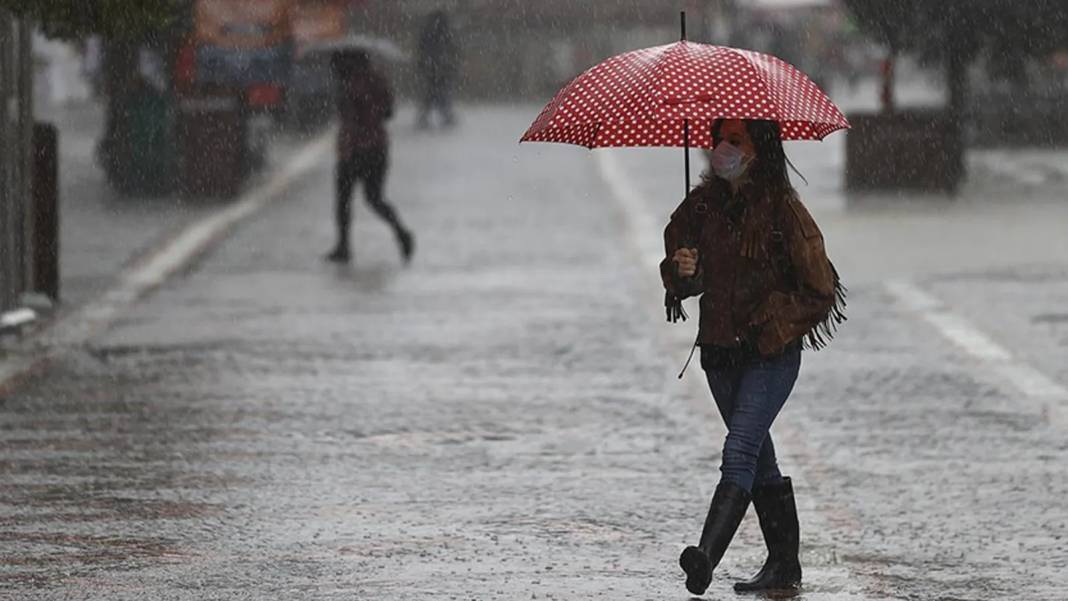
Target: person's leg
[(762, 391), (777, 512), (729, 503), (374, 182), (724, 383), (426, 103), (445, 104), (767, 468), (345, 179)]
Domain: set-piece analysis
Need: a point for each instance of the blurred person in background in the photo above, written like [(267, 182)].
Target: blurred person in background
[(438, 64), (743, 241), (364, 103)]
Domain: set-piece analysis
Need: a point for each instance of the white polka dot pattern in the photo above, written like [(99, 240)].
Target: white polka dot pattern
[(643, 97)]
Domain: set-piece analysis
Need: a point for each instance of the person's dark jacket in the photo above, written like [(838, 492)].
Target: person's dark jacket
[(764, 277), (365, 103), (438, 54)]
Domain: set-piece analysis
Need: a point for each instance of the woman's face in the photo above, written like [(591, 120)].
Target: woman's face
[(733, 131)]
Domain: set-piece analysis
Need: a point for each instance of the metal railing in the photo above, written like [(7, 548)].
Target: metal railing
[(16, 140)]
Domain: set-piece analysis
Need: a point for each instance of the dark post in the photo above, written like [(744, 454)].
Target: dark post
[(685, 122), (45, 194), (887, 72), (686, 151)]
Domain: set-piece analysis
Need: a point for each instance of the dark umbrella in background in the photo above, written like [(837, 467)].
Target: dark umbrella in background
[(358, 42)]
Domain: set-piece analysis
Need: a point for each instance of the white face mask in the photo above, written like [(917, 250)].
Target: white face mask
[(729, 162)]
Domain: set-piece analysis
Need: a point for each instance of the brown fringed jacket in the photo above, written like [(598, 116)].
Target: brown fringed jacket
[(764, 277)]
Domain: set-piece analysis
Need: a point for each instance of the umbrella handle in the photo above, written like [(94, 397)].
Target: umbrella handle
[(677, 278), (672, 302)]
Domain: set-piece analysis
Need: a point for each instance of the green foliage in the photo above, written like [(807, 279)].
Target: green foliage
[(113, 19)]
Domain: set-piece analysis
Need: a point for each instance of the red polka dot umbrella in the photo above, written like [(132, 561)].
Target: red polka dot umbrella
[(670, 96), (644, 98)]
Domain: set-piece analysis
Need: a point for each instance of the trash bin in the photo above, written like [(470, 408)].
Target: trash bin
[(138, 150), (212, 142), (918, 150)]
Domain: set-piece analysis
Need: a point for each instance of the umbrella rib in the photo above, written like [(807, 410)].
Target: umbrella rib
[(658, 75), (763, 82), (593, 138)]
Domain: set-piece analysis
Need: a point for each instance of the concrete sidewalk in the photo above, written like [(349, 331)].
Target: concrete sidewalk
[(102, 231)]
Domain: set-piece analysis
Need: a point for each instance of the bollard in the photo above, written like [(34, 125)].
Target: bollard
[(45, 194)]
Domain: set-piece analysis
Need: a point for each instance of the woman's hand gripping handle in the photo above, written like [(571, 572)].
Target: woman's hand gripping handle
[(684, 264)]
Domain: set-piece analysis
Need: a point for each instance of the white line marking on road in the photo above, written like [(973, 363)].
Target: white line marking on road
[(1005, 165), (640, 219), (77, 327), (971, 340), (960, 331)]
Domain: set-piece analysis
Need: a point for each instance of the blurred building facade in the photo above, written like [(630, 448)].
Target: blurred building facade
[(516, 49), (521, 50)]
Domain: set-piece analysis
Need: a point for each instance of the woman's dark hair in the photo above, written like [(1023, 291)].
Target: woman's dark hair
[(769, 165)]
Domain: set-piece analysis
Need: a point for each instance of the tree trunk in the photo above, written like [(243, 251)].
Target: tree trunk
[(957, 85), (886, 95)]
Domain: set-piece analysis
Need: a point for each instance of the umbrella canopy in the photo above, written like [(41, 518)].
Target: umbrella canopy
[(357, 42), (670, 95)]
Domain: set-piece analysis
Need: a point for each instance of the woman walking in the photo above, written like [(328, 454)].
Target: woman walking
[(743, 241)]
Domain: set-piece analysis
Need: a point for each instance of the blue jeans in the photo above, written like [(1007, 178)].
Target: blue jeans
[(749, 396)]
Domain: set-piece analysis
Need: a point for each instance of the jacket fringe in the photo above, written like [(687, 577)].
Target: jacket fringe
[(821, 334), (673, 308)]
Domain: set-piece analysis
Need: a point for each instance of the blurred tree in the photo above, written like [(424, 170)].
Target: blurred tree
[(956, 32), (112, 19), (125, 28), (123, 25)]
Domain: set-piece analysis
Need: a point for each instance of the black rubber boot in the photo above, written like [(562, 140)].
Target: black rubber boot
[(778, 521), (340, 254), (406, 242), (729, 504)]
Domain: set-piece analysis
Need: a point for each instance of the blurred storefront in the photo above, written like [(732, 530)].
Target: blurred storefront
[(516, 49)]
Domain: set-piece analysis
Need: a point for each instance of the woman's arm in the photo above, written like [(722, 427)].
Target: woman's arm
[(675, 235), (806, 310)]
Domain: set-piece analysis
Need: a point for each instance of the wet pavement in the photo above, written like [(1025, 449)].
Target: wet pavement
[(103, 231), (501, 419)]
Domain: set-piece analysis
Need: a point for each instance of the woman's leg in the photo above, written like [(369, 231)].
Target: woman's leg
[(345, 179), (749, 403), (729, 502), (426, 103), (767, 469), (724, 384), (374, 182), (773, 499), (762, 391)]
